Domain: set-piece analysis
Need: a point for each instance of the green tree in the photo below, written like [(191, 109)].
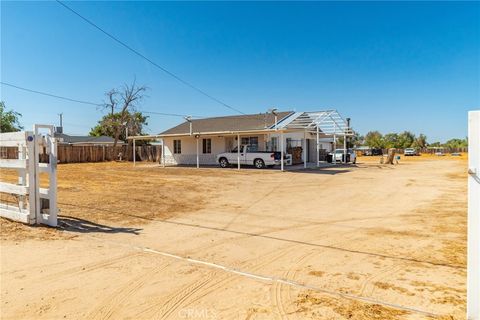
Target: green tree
[(456, 143), (405, 140), (9, 120), (374, 139), (420, 142), (391, 140), (108, 125)]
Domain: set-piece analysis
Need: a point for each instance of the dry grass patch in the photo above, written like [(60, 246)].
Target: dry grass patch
[(309, 304)]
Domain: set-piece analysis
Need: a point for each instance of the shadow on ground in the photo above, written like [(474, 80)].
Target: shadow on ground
[(74, 224)]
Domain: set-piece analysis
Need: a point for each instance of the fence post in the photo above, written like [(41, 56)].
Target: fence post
[(473, 270)]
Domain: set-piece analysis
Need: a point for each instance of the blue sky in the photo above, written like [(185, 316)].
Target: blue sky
[(390, 66)]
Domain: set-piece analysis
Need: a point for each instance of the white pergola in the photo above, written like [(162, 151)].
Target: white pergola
[(326, 123)]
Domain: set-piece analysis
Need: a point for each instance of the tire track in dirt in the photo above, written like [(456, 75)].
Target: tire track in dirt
[(77, 270), (113, 303), (367, 286), (277, 287), (201, 288)]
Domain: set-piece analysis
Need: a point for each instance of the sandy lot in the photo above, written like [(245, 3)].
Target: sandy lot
[(358, 242)]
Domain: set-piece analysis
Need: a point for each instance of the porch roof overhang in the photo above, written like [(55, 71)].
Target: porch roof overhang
[(214, 133)]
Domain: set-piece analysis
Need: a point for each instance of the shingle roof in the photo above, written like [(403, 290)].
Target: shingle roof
[(229, 123), (84, 139)]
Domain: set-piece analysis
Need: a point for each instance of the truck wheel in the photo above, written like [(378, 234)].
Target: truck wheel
[(259, 164), (223, 162)]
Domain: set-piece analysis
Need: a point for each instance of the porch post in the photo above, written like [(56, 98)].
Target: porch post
[(134, 158), (281, 150), (163, 152), (238, 151), (334, 149), (305, 149), (198, 160), (318, 148)]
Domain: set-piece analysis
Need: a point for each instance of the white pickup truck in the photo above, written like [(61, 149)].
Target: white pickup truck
[(259, 159)]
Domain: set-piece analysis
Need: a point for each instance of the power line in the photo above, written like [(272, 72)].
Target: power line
[(87, 102), (149, 60), (51, 95)]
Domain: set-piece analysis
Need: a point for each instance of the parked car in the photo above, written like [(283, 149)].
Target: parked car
[(372, 152), (410, 152), (259, 159), (339, 156)]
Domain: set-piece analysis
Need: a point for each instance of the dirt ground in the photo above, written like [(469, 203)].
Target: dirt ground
[(369, 241)]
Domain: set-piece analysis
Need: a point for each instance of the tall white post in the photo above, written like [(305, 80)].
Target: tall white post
[(345, 148), (318, 148), (305, 149), (52, 194), (473, 270), (163, 152), (334, 160), (134, 155), (281, 150), (198, 160), (238, 151)]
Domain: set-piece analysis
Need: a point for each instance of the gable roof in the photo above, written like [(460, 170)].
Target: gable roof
[(229, 123), (67, 139)]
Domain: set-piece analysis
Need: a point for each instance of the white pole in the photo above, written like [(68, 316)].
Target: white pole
[(334, 149), (345, 147), (198, 161), (318, 148), (473, 273), (163, 152), (238, 151), (281, 150), (305, 149), (134, 158)]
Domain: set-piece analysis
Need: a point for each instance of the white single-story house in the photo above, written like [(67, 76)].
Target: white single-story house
[(198, 141)]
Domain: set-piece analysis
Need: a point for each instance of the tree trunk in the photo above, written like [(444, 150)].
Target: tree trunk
[(390, 156)]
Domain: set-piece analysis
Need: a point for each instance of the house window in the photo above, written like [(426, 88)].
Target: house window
[(177, 146), (252, 142), (207, 145), (274, 144)]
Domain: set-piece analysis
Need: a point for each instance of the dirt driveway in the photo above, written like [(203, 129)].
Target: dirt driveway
[(364, 242)]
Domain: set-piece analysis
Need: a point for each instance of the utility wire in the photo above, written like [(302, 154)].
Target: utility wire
[(88, 102), (50, 95), (188, 84)]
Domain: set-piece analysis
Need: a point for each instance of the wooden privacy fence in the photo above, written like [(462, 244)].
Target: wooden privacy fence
[(73, 154)]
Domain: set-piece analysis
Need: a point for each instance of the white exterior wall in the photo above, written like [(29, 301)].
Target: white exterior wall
[(189, 150), (226, 143)]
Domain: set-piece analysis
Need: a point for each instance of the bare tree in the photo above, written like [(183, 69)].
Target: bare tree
[(125, 99)]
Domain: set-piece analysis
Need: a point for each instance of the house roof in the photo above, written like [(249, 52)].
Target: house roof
[(65, 138), (229, 123)]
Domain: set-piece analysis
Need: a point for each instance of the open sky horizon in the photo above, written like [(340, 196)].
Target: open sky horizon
[(389, 66)]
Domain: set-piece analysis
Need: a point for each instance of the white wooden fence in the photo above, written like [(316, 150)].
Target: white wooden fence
[(35, 205), (473, 291)]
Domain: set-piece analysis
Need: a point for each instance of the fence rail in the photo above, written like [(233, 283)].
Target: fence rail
[(74, 154), (425, 150)]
